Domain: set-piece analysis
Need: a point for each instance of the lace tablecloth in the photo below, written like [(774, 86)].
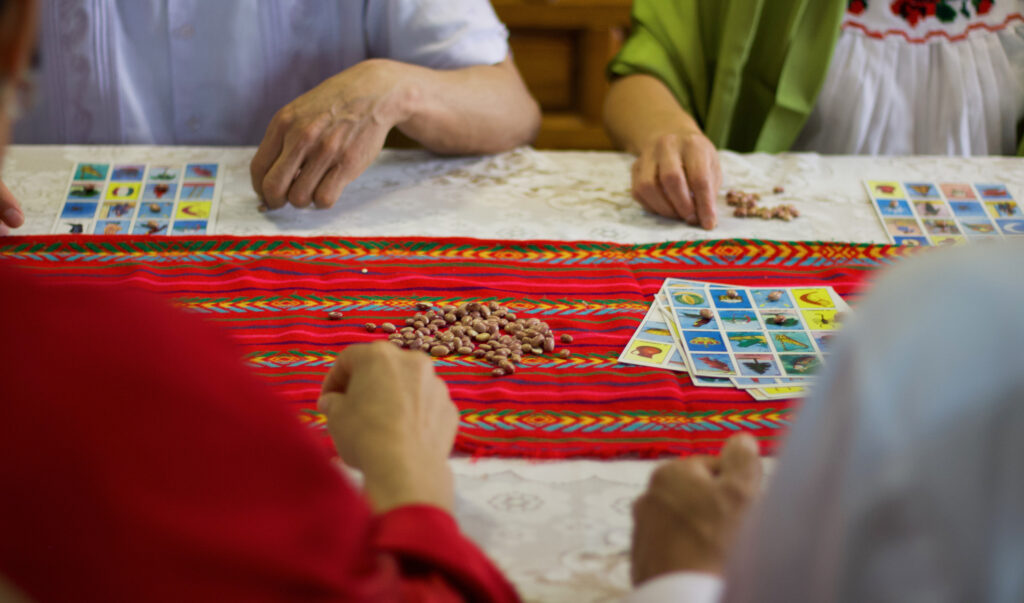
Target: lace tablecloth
[(560, 530)]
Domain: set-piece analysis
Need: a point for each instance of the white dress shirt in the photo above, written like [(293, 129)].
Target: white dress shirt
[(196, 72)]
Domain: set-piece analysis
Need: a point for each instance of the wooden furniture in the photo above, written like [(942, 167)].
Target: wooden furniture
[(562, 48)]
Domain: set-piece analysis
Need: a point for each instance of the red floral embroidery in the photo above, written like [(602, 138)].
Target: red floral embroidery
[(914, 11)]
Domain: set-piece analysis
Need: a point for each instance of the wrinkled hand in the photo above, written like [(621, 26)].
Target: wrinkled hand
[(11, 215), (686, 519), (390, 416), (678, 176), (319, 143)]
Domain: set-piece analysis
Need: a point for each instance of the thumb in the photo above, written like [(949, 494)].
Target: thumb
[(10, 211), (740, 459), (340, 373)]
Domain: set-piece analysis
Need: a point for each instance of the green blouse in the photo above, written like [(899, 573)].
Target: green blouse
[(749, 71)]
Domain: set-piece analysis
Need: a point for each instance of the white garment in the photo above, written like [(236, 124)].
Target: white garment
[(930, 88), (903, 478), (684, 587), (215, 71)]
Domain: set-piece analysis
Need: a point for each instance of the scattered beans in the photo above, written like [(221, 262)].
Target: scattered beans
[(485, 331), (335, 315), (775, 296), (778, 190), (707, 313), (746, 206)]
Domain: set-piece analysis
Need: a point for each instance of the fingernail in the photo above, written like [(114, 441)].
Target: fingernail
[(13, 216)]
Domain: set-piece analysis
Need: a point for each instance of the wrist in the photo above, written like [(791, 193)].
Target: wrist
[(404, 89), (395, 481), (681, 133)]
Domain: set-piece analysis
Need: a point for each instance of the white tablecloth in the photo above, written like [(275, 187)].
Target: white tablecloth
[(560, 530)]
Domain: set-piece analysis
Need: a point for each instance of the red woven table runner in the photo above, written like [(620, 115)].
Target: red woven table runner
[(273, 295)]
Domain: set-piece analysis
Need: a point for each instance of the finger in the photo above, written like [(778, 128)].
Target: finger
[(318, 162), (702, 176), (645, 186), (740, 459), (672, 179), (332, 185), (338, 375), (298, 142), (10, 211), (266, 154)]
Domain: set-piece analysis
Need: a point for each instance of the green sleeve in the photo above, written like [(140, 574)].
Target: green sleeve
[(665, 42)]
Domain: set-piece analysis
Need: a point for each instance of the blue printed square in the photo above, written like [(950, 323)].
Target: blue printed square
[(655, 330), (978, 227), (757, 365), (783, 320), (158, 191), (701, 341), (79, 210), (201, 171), (772, 298), (152, 227), (715, 363), (993, 191), (189, 227), (688, 298), (967, 208), (196, 191), (748, 341), (112, 227), (729, 298), (91, 171), (1011, 227), (894, 207), (692, 319), (921, 190), (792, 341), (156, 210), (127, 173), (911, 241), (739, 320)]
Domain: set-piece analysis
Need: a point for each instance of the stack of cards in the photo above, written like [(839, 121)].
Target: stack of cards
[(140, 199), (768, 341), (948, 213)]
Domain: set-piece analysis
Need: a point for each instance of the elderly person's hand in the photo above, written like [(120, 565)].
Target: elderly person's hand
[(320, 142), (11, 215), (391, 417), (678, 176), (686, 519)]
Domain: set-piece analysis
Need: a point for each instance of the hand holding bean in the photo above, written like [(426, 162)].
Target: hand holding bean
[(391, 417)]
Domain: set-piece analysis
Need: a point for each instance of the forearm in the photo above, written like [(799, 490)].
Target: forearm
[(639, 108), (481, 109)]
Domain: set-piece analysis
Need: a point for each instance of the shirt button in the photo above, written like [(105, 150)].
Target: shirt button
[(185, 32), (192, 124)]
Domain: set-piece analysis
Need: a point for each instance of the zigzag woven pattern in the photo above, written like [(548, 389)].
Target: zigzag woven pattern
[(272, 297)]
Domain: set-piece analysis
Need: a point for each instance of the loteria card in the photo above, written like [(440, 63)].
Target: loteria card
[(945, 213), (140, 199), (755, 333)]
